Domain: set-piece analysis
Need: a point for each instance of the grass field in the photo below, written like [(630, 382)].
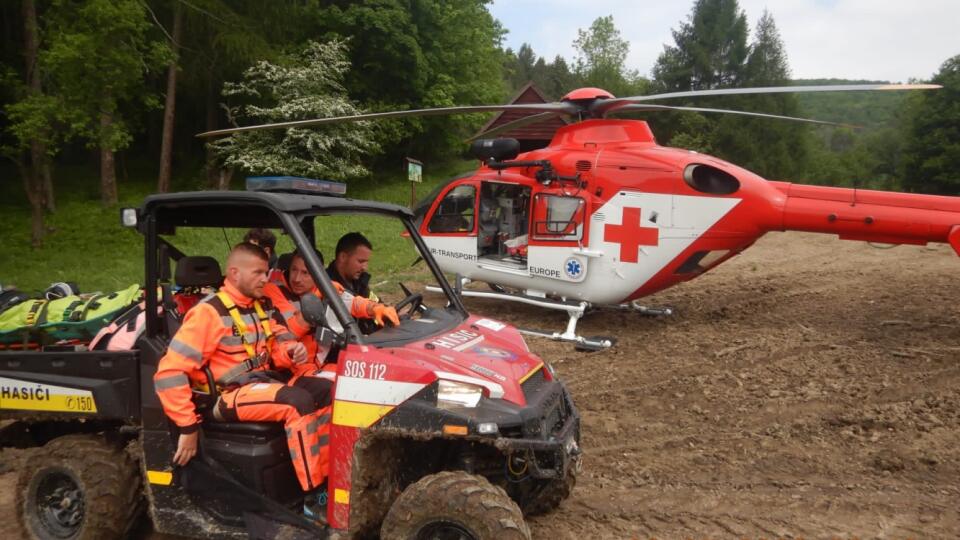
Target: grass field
[(87, 245)]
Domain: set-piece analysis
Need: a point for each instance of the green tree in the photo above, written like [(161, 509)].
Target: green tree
[(301, 86), (169, 107), (558, 80), (710, 49), (29, 136), (220, 40), (932, 157), (419, 54), (98, 56), (523, 71), (774, 148), (554, 79), (461, 43), (601, 58)]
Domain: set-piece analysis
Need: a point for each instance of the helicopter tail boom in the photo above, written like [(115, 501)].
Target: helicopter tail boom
[(872, 216)]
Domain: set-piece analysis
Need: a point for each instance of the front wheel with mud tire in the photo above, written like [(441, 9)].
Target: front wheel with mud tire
[(79, 487), (457, 505)]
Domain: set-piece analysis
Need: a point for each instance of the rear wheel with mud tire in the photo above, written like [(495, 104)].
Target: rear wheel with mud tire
[(454, 505), (79, 487)]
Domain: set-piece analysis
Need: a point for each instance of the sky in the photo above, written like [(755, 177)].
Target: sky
[(845, 39)]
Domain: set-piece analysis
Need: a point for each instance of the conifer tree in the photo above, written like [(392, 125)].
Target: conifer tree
[(932, 161)]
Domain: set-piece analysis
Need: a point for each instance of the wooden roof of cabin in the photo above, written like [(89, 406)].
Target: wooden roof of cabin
[(539, 131)]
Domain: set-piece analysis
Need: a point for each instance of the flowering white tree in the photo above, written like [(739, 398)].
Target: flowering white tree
[(302, 86)]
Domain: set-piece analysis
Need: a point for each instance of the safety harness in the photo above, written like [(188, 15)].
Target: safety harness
[(253, 361)]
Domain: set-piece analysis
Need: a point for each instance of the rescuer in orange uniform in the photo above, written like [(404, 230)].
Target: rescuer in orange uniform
[(239, 337), (286, 300)]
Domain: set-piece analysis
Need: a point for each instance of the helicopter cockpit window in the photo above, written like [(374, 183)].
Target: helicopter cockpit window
[(455, 212), (558, 217)]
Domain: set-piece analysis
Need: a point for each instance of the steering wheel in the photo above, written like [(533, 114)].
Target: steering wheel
[(414, 300)]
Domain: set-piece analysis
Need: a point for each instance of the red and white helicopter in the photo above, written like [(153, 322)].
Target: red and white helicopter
[(604, 216)]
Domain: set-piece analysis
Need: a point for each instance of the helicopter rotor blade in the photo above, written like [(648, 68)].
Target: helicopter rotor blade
[(515, 124), (563, 108), (604, 106), (651, 107)]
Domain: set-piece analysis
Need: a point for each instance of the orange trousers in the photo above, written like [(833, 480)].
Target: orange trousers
[(303, 406)]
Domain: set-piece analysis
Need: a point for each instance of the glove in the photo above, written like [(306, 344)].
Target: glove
[(297, 353), (380, 311)]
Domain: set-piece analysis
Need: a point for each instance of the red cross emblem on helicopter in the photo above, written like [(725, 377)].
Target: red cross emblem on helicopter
[(631, 235)]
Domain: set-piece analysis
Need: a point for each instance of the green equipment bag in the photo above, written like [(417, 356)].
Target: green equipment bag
[(77, 317)]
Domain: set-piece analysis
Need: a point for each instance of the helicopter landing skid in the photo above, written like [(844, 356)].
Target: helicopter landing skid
[(575, 310), (580, 343), (643, 310)]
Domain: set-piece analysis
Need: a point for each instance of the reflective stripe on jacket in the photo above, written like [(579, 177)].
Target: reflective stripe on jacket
[(288, 305), (208, 337)]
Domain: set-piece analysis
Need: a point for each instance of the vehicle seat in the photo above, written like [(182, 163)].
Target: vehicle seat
[(279, 273), (205, 402), (192, 275), (261, 429)]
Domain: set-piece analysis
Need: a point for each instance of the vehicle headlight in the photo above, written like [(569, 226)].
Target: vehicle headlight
[(452, 394)]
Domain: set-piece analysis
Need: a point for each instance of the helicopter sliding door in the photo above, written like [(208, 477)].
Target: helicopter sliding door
[(556, 249), (502, 229)]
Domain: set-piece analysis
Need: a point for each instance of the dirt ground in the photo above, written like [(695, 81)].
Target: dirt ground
[(806, 389)]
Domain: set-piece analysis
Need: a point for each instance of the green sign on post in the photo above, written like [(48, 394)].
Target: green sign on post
[(414, 170), (415, 176)]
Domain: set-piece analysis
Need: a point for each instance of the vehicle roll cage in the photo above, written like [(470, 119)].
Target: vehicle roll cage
[(294, 213)]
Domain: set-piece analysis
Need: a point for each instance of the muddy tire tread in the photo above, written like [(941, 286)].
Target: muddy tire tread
[(469, 499), (110, 479)]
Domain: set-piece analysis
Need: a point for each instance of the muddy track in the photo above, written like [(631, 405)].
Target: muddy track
[(809, 388)]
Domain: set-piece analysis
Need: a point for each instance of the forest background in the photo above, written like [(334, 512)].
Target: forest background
[(100, 102)]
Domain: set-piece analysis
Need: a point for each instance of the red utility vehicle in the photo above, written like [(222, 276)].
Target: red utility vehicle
[(444, 426)]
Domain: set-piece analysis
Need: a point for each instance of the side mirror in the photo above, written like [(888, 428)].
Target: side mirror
[(128, 217), (313, 309)]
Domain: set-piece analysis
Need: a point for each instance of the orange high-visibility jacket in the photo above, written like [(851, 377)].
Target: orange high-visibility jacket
[(208, 337), (288, 305)]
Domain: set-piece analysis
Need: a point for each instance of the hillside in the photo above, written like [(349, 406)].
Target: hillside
[(868, 109)]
